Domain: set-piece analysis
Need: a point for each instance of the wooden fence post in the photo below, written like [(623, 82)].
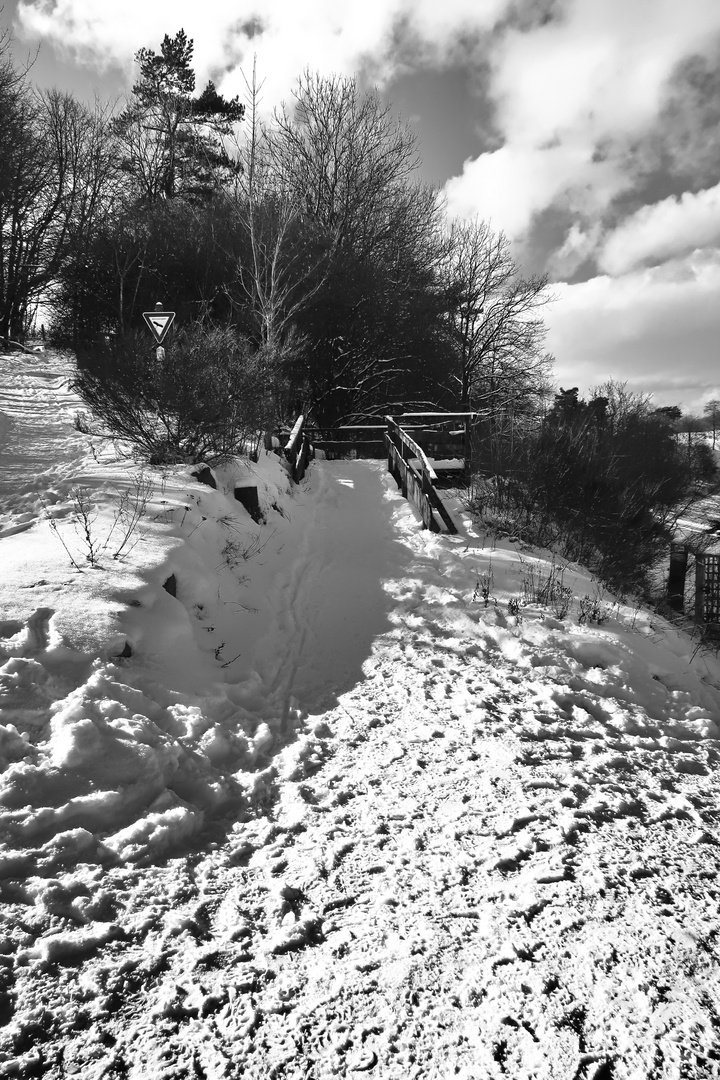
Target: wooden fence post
[(391, 464), (427, 513), (676, 576)]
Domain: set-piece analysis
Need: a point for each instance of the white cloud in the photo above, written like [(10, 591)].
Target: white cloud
[(599, 70), (561, 89), (510, 185), (589, 81), (662, 231), (655, 328), (325, 35)]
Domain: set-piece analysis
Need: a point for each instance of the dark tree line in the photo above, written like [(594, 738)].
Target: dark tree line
[(308, 236)]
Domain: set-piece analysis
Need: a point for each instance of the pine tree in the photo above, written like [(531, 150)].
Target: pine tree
[(172, 142)]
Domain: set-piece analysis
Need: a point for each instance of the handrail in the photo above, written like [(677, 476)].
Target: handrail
[(298, 450), (439, 415), (367, 427), (412, 446), (417, 485), (295, 434)]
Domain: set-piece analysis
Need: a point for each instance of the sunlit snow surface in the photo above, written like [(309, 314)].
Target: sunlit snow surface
[(334, 814)]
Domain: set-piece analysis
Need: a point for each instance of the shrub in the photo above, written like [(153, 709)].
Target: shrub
[(602, 482), (209, 398), (547, 588)]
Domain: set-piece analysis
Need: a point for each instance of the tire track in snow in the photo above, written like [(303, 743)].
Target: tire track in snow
[(36, 428)]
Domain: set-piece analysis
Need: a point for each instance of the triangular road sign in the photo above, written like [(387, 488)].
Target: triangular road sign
[(159, 323)]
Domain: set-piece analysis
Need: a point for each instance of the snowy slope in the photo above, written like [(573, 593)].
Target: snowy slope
[(353, 803)]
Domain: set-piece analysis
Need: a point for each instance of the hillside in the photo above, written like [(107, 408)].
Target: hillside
[(328, 794)]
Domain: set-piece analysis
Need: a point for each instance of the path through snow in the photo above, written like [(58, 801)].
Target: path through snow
[(330, 604), (37, 440)]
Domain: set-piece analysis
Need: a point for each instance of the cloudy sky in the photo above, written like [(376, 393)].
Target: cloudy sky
[(587, 130)]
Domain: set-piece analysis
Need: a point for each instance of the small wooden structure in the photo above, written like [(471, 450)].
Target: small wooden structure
[(413, 472), (707, 588), (445, 435), (707, 583)]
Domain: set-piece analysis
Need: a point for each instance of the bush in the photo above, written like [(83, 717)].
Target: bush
[(209, 398), (602, 482)]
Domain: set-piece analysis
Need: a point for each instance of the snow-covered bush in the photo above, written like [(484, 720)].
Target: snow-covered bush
[(208, 399)]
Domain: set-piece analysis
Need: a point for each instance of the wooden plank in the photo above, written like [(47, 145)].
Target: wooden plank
[(390, 447), (352, 427), (437, 435), (439, 505), (441, 415), (316, 430), (298, 451), (340, 447), (416, 486), (302, 460)]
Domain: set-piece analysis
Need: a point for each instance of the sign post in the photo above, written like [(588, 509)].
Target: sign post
[(159, 322)]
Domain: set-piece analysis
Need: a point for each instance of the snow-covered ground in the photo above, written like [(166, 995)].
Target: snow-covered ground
[(331, 795)]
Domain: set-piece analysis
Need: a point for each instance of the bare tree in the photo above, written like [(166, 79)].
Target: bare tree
[(377, 337), (350, 167), (344, 155), (712, 411), (493, 320), (100, 199), (288, 257), (54, 166)]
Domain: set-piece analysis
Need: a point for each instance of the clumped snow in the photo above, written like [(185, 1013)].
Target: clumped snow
[(324, 795)]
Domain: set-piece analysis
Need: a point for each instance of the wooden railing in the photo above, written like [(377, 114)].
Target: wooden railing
[(442, 435), (413, 472), (407, 460), (349, 440), (298, 450)]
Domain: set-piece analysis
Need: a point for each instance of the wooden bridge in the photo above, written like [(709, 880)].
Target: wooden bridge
[(425, 452)]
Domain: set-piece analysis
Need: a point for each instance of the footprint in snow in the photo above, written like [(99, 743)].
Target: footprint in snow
[(29, 638), (17, 527), (362, 1061)]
